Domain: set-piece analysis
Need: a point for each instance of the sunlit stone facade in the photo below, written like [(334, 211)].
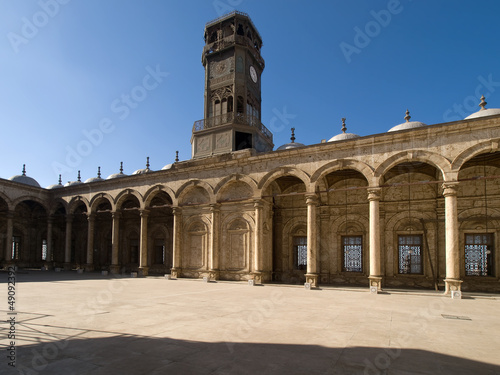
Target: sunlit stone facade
[(414, 207)]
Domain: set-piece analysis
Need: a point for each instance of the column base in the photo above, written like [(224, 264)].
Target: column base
[(142, 271), (375, 284), (312, 280), (257, 278), (214, 275), (453, 285), (175, 273), (114, 269), (89, 267)]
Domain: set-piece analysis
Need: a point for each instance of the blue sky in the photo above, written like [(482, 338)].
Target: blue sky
[(66, 64)]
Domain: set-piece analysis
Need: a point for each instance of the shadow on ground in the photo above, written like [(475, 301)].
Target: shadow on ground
[(127, 354)]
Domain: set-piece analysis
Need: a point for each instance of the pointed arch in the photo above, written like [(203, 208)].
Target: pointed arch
[(41, 202), (343, 164), (235, 177)]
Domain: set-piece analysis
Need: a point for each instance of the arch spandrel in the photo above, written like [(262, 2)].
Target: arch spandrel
[(76, 201), (191, 185), (343, 164), (469, 153), (235, 178)]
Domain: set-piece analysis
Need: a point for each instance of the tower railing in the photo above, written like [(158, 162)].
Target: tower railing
[(232, 118)]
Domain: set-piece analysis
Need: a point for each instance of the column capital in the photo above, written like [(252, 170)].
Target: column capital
[(116, 214), (215, 207), (311, 199), (91, 216), (144, 213), (258, 203), (450, 188), (10, 214), (177, 211), (374, 193)]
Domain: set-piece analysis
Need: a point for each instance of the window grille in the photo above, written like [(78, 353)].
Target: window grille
[(352, 247), (410, 254), (300, 251), (479, 254)]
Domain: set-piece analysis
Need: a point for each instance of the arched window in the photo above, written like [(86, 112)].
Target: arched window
[(239, 105), (240, 30), (229, 104)]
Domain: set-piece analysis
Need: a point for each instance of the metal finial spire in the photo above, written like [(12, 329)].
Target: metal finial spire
[(176, 156), (60, 180), (292, 138), (344, 129), (483, 103), (79, 178), (147, 163), (407, 117), (24, 169), (98, 172), (121, 167)]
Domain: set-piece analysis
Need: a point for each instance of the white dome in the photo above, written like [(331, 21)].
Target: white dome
[(116, 175), (94, 179), (73, 183), (23, 179), (484, 112), (343, 136), (288, 146), (408, 124), (168, 166), (55, 186), (142, 171)]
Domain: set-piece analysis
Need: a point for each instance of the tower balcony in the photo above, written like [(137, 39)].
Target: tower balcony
[(233, 118)]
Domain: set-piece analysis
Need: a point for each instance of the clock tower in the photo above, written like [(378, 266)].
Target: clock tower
[(233, 70)]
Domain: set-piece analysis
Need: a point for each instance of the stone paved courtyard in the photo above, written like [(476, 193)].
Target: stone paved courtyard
[(69, 323)]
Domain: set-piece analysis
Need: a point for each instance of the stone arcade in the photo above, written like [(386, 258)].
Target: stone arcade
[(417, 206)]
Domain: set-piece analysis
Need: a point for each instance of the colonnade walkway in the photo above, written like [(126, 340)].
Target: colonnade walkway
[(69, 323)]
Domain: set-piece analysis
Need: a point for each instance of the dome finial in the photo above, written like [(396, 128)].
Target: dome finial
[(176, 156), (79, 178), (407, 117), (24, 169), (344, 128), (98, 172), (60, 180), (483, 103), (292, 138), (121, 167), (147, 162)]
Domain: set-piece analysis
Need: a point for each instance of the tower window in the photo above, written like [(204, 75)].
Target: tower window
[(410, 254), (239, 105), (479, 254), (243, 141), (230, 104), (240, 30)]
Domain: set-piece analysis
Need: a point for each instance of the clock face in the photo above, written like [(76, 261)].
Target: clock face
[(253, 74)]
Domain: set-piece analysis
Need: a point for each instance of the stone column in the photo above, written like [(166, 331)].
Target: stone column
[(48, 259), (375, 277), (143, 249), (67, 245), (176, 251), (258, 241), (8, 241), (215, 243), (312, 240), (115, 241), (452, 281), (89, 266)]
